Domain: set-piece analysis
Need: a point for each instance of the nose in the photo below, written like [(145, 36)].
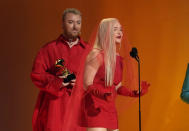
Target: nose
[(74, 26), (120, 33)]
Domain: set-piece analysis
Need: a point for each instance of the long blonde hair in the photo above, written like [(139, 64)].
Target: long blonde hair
[(105, 41)]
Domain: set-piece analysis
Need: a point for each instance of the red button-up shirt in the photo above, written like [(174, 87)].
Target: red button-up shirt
[(52, 100)]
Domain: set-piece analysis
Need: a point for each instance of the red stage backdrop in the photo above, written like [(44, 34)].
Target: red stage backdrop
[(158, 28)]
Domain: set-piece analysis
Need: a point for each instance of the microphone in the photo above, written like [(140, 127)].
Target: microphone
[(134, 53)]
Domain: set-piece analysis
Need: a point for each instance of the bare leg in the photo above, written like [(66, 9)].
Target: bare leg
[(96, 129)]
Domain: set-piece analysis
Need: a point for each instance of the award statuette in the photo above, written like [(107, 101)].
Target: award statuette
[(60, 65)]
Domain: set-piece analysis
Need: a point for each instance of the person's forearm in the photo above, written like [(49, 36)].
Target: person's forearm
[(126, 92), (47, 82)]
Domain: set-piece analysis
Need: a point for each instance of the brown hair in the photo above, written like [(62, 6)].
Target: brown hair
[(70, 10)]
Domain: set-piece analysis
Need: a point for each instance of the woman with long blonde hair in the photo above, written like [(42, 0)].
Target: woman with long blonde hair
[(102, 78)]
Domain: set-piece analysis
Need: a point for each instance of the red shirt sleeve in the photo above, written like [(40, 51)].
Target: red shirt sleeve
[(43, 79)]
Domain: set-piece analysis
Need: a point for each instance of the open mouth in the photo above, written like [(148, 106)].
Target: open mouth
[(119, 37)]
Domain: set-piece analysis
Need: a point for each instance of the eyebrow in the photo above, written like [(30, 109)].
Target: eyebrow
[(73, 20), (118, 27)]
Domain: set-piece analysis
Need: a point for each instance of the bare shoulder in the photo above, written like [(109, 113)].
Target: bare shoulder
[(94, 54)]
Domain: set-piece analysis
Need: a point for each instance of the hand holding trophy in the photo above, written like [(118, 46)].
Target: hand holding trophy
[(64, 73)]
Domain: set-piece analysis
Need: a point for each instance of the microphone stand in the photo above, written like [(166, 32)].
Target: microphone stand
[(138, 60), (134, 54)]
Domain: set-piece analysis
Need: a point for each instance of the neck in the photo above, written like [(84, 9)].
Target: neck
[(71, 44), (69, 38)]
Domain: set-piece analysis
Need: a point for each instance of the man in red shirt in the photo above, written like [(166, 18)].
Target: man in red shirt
[(53, 64)]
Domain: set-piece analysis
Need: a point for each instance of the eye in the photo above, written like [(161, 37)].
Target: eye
[(78, 22), (70, 21), (115, 28)]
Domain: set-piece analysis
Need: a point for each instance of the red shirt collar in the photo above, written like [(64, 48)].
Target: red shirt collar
[(62, 39)]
